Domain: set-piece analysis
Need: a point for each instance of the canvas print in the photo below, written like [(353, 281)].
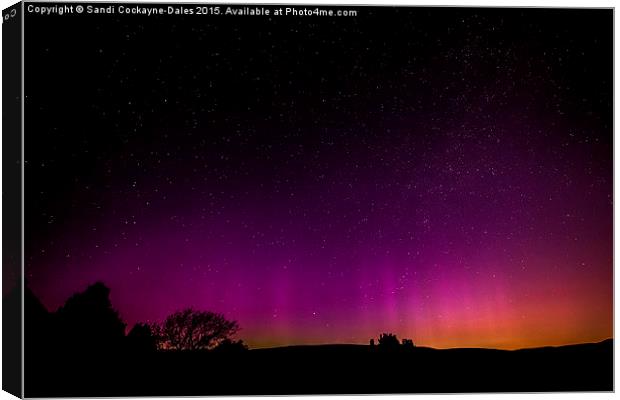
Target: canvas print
[(228, 199)]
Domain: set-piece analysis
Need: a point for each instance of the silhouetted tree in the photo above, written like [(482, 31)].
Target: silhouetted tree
[(141, 338), (38, 333), (372, 342), (388, 341), (157, 332), (88, 319), (190, 329), (408, 344), (36, 316)]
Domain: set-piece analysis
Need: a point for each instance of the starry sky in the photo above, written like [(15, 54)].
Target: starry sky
[(444, 174)]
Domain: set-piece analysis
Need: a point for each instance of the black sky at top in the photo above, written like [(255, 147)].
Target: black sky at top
[(124, 78)]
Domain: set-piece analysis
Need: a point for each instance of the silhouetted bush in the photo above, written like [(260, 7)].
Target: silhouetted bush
[(190, 329), (408, 344), (230, 346), (388, 341)]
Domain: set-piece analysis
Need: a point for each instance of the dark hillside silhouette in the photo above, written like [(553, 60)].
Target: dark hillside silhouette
[(197, 356)]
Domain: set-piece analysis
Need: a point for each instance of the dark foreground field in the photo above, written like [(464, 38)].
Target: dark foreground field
[(322, 369)]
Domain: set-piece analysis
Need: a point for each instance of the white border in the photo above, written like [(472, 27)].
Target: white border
[(480, 3)]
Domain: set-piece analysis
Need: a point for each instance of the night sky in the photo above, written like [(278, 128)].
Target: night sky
[(443, 174)]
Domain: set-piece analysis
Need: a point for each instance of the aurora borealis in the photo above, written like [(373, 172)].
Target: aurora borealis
[(443, 174)]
